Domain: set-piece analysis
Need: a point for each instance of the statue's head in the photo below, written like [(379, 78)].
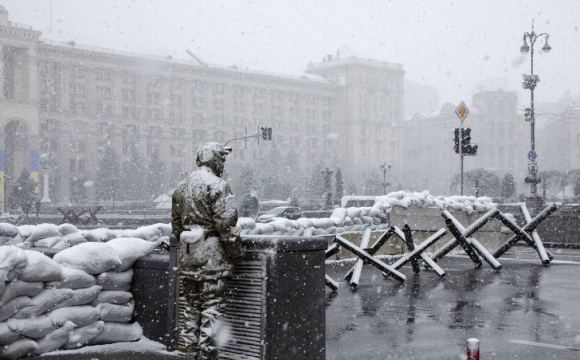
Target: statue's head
[(212, 155)]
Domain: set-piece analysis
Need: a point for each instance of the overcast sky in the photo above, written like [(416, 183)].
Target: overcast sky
[(455, 46)]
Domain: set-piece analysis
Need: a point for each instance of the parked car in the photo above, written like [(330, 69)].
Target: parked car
[(570, 208), (288, 212)]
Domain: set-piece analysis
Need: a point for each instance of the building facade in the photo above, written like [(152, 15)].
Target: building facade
[(74, 101)]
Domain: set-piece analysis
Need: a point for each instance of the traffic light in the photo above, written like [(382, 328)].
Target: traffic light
[(456, 139), (467, 148), (266, 133), (528, 114)]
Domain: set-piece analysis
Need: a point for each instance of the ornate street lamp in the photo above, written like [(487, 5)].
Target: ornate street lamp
[(385, 168), (530, 82)]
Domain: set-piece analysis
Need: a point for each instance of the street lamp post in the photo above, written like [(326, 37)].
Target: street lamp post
[(385, 168), (530, 82)]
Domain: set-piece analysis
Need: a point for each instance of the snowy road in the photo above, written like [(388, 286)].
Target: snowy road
[(525, 311)]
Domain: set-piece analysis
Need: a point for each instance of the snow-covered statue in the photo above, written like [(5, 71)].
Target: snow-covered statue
[(203, 218)]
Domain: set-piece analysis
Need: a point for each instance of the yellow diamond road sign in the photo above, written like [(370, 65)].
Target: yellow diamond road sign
[(462, 111)]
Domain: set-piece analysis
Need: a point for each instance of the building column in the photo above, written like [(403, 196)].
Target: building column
[(1, 72)]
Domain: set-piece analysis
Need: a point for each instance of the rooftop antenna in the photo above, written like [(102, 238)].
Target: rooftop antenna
[(195, 57), (50, 3)]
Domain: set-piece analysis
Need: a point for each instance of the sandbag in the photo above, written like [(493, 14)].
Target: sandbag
[(8, 230), (12, 262), (113, 297), (67, 229), (40, 267), (18, 349), (99, 235), (14, 306), (120, 281), (35, 327), (116, 313), (25, 230), (20, 288), (73, 279), (93, 258), (48, 242), (74, 238), (61, 245), (81, 297), (118, 332), (43, 231), (79, 337), (54, 340), (45, 300), (7, 336), (129, 250), (79, 315)]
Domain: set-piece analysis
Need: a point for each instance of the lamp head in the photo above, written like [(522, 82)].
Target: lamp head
[(525, 47), (546, 48)]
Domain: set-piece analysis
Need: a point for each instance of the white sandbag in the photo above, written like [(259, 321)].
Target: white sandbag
[(255, 231), (308, 232), (40, 267), (4, 240), (357, 221), (246, 231), (129, 250), (265, 229), (305, 223), (74, 238), (367, 220), (99, 235), (19, 348), (12, 262), (8, 230), (73, 279), (116, 313), (165, 229), (120, 281), (298, 232), (67, 229), (48, 242), (79, 315), (348, 221), (43, 231), (61, 245), (93, 258), (20, 288), (353, 212), (318, 232), (246, 223), (7, 336), (81, 336), (118, 332), (81, 297), (15, 305), (340, 213), (34, 328), (47, 299), (113, 297), (25, 230), (55, 340)]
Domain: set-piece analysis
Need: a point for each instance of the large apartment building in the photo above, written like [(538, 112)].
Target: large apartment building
[(73, 100)]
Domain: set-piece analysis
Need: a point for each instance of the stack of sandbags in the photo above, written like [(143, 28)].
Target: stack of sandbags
[(80, 297), (341, 220), (408, 199)]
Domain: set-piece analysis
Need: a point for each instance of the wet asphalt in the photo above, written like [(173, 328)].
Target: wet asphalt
[(524, 311)]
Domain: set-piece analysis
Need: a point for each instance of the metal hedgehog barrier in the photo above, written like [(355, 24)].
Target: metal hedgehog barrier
[(463, 237)]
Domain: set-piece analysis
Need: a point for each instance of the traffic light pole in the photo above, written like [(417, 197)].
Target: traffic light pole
[(461, 154)]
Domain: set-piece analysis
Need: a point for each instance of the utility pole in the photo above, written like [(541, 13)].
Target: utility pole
[(385, 168), (463, 138), (530, 82)]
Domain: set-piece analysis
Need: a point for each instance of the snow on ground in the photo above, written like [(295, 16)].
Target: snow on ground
[(143, 345)]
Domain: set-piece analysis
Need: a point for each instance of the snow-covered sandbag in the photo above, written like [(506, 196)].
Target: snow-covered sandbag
[(43, 231), (8, 230), (278, 226), (165, 229), (4, 240), (7, 336), (17, 241), (67, 229), (367, 220), (120, 281), (265, 229), (15, 305), (118, 332), (93, 258), (278, 233), (129, 250), (353, 212), (79, 315), (305, 223), (19, 348), (357, 221), (34, 328), (61, 245), (308, 232), (113, 297), (74, 238), (348, 221), (20, 288), (81, 297), (73, 279), (116, 313), (340, 213), (318, 232), (331, 230), (298, 232), (55, 340), (25, 230), (48, 242), (12, 262), (45, 300), (99, 235), (40, 267), (81, 336)]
